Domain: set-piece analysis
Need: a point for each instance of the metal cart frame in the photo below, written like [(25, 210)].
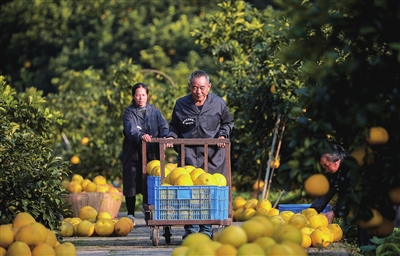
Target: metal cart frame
[(149, 209)]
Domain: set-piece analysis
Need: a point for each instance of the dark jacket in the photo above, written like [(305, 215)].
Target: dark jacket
[(339, 182), (135, 125), (212, 120)]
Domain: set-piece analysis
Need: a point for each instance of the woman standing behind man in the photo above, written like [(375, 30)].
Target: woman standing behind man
[(141, 122)]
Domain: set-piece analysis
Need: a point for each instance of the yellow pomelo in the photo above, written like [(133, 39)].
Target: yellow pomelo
[(295, 248), (65, 183), (84, 141), (266, 223), (318, 220), (306, 240), (253, 230), (84, 183), (237, 216), (226, 249), (233, 235), (250, 204), (215, 245), (254, 200), (122, 227), (75, 221), (363, 154), (74, 187), (91, 187), (29, 234), (265, 242), (238, 202), (196, 238), (316, 185), (247, 214), (183, 180), (88, 213), (309, 212), (206, 179), (176, 173), (394, 195), (190, 168), (258, 185), (100, 180), (75, 160), (19, 248), (66, 229), (307, 230), (273, 212), (130, 222), (200, 249), (156, 171), (384, 230), (85, 228), (77, 177), (42, 229), (252, 249), (337, 231), (104, 227), (320, 239), (2, 251), (150, 165), (287, 232), (180, 251), (277, 220), (6, 236), (374, 222), (278, 249), (103, 188), (285, 215), (377, 136), (196, 172), (51, 238), (65, 249), (327, 231), (43, 249), (171, 166), (261, 212), (298, 220), (103, 215), (22, 219), (264, 204), (220, 179)]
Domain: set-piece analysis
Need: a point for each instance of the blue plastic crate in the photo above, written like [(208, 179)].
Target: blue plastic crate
[(187, 202), (297, 208)]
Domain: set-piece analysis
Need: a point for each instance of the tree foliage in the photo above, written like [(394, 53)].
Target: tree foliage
[(30, 173), (335, 66)]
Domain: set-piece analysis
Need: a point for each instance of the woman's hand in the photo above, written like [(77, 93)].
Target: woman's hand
[(146, 137), (330, 215), (221, 145), (170, 145)]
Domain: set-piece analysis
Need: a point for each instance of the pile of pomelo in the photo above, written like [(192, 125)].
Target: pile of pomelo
[(78, 184), (91, 223), (314, 228), (25, 236), (187, 175)]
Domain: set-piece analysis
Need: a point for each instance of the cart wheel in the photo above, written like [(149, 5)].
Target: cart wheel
[(213, 231), (167, 234), (155, 236)]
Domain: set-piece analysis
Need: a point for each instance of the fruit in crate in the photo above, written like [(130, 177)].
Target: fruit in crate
[(206, 179), (25, 236)]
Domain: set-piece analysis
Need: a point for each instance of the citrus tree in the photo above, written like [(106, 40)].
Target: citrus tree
[(258, 86), (30, 173), (333, 77)]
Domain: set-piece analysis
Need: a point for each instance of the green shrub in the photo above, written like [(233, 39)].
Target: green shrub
[(30, 174)]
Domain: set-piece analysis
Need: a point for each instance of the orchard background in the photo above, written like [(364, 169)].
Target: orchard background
[(329, 69)]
